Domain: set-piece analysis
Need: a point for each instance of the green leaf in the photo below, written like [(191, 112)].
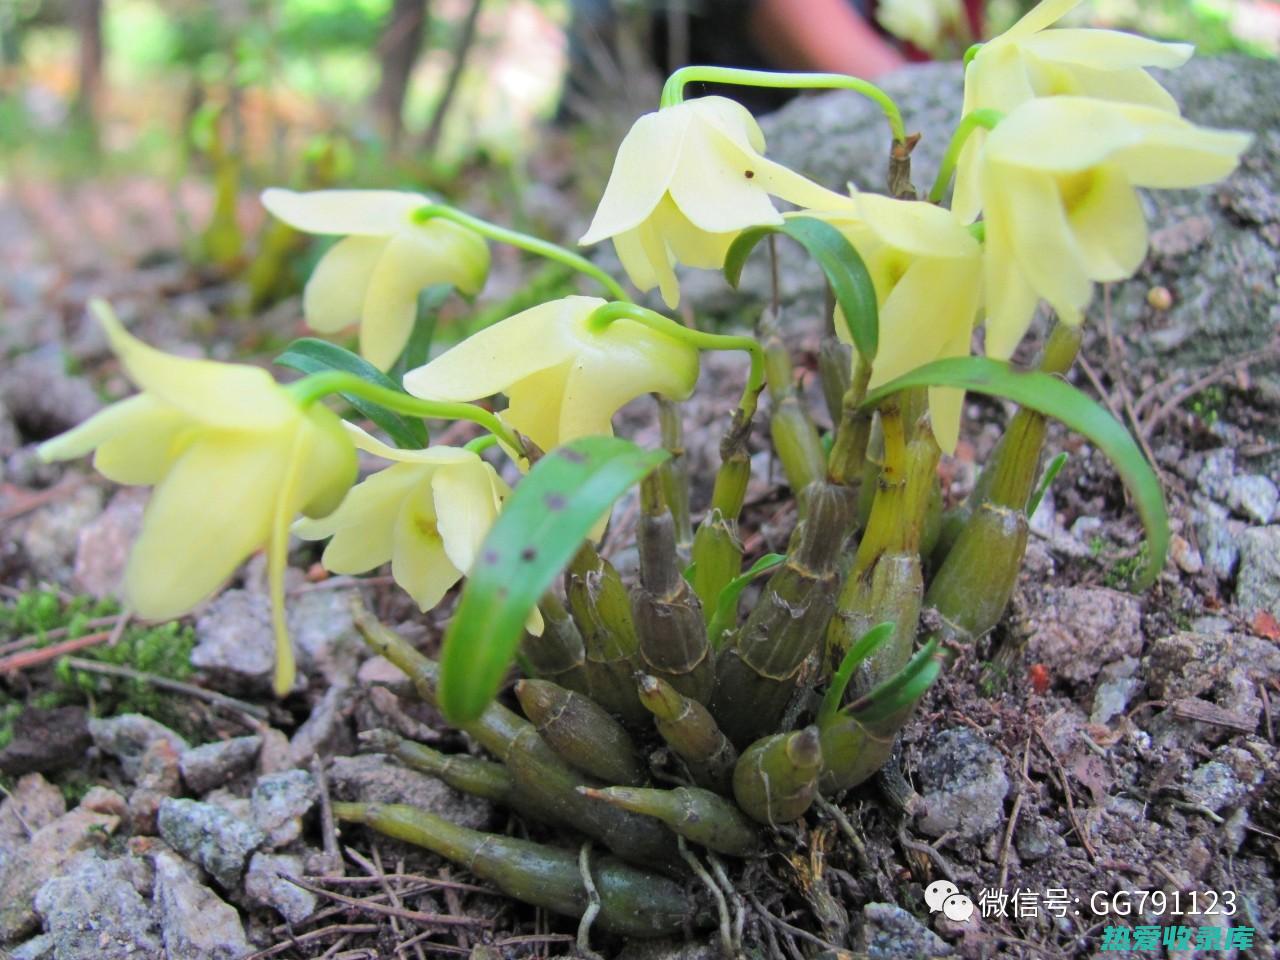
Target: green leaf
[(727, 602), (1050, 474), (309, 355), (901, 690), (541, 527), (842, 264), (1056, 398), (867, 644)]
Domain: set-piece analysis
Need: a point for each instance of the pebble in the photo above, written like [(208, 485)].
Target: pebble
[(103, 545), (128, 736), (32, 803), (1224, 781), (235, 644), (46, 739), (42, 398), (208, 835), (893, 934), (211, 765), (1253, 497), (1216, 473), (266, 888), (279, 802), (374, 778), (963, 784), (1036, 839), (158, 778), (93, 912), (1076, 630), (51, 535), (1258, 585), (1218, 538), (1112, 697), (324, 732), (195, 921), (51, 846), (324, 634)]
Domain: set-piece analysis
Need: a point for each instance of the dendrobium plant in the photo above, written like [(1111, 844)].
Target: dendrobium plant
[(627, 691)]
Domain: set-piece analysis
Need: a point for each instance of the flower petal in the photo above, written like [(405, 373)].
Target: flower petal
[(642, 170), (490, 361), (465, 509), (535, 403), (1107, 49), (419, 562), (1042, 15), (363, 527), (1110, 227), (136, 440), (214, 507), (714, 184), (371, 213), (436, 455), (219, 394), (1044, 245), (334, 296)]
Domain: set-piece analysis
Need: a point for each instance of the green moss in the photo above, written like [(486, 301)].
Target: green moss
[(163, 650)]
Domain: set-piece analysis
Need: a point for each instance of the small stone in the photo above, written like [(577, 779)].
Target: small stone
[(32, 803), (1186, 556), (209, 836), (127, 737), (211, 765), (50, 538), (101, 799), (1036, 839), (195, 921), (1076, 630), (1217, 472), (265, 887), (325, 635), (158, 778), (274, 755), (1253, 497), (50, 848), (374, 778), (102, 548), (42, 398), (279, 803), (46, 739), (892, 934), (324, 732), (37, 948), (963, 785), (1226, 781), (1258, 586), (235, 643), (659, 950), (94, 912), (1218, 538), (1220, 668), (1112, 697)]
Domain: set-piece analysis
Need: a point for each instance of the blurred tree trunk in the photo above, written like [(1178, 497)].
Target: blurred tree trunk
[(431, 139), (88, 24), (398, 50)]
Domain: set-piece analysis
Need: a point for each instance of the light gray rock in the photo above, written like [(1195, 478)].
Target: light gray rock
[(279, 802), (1076, 630), (325, 635), (52, 533), (265, 887), (1253, 497), (963, 784), (208, 835), (211, 765), (893, 934), (195, 921), (93, 912), (37, 948), (42, 398), (1218, 537), (235, 644), (324, 732), (1035, 838), (52, 846), (128, 736), (32, 803), (1112, 697), (102, 548), (375, 778), (1258, 586), (1224, 781), (1217, 473)]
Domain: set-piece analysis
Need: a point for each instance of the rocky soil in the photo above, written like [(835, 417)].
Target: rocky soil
[(1100, 741)]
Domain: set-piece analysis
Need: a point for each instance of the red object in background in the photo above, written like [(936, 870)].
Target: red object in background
[(1038, 673)]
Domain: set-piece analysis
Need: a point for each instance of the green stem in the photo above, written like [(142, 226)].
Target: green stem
[(986, 119), (481, 443), (523, 241), (673, 90), (310, 389), (603, 316), (971, 53)]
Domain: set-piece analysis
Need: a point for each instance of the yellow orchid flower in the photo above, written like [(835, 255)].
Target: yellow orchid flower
[(233, 457), (1028, 61), (374, 274), (687, 179), (927, 272), (563, 379), (1057, 179), (427, 514), (921, 22)]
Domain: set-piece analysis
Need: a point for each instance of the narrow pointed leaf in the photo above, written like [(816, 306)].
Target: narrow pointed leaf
[(904, 687), (727, 603), (866, 645), (309, 355), (1050, 474), (541, 527), (1056, 398), (838, 259)]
